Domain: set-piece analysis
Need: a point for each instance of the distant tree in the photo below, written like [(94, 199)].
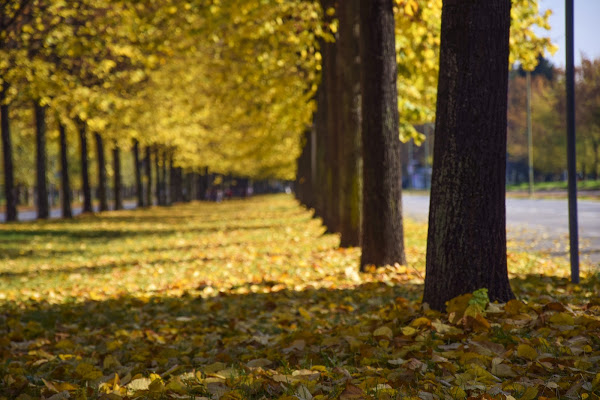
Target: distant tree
[(588, 115), (466, 242), (544, 68)]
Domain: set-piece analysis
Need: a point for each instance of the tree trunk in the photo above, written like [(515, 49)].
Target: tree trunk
[(167, 168), (466, 241), (139, 189), (65, 184), (85, 175), (158, 184), (148, 165), (348, 89), (203, 185), (382, 235), (332, 150), (189, 187), (9, 172), (43, 208), (117, 178), (102, 194), (320, 122)]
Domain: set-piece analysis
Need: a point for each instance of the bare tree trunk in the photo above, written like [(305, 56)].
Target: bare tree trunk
[(117, 178), (466, 241), (349, 148), (139, 189), (382, 229), (85, 175), (9, 172), (43, 207), (102, 193), (65, 184), (148, 165)]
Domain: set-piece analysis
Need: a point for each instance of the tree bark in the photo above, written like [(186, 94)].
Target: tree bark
[(332, 166), (466, 241), (102, 193), (139, 189), (349, 148), (189, 187), (157, 170), (117, 178), (85, 175), (65, 183), (148, 165), (167, 167), (9, 172), (382, 235), (43, 207)]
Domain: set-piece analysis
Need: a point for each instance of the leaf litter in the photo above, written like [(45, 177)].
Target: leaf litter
[(250, 300)]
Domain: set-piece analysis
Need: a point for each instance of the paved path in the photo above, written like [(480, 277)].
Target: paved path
[(541, 224)]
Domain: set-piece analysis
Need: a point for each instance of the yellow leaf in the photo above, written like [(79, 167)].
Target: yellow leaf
[(562, 319), (457, 392), (384, 331), (530, 393), (409, 331), (527, 352)]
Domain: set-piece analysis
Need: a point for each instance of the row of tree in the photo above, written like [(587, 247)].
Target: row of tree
[(220, 84), (379, 78)]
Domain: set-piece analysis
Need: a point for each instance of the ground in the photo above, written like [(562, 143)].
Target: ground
[(250, 300)]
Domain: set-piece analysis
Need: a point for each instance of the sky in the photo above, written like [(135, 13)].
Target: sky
[(587, 29)]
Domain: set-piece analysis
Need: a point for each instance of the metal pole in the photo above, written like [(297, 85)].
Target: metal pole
[(571, 156), (529, 133)]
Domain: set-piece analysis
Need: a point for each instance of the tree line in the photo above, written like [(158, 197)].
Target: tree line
[(349, 170)]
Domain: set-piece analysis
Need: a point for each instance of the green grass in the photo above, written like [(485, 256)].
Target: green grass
[(546, 186), (251, 300)]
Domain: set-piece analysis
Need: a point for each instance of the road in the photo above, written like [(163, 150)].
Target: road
[(541, 224)]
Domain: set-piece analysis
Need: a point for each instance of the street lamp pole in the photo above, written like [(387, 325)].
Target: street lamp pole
[(571, 156)]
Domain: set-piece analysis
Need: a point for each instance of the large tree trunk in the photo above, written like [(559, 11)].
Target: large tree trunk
[(65, 183), (139, 189), (382, 231), (466, 241), (117, 178), (348, 89), (43, 208), (85, 175), (148, 165), (9, 172), (102, 193)]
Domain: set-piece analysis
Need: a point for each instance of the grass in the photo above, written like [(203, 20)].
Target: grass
[(251, 300), (549, 186)]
